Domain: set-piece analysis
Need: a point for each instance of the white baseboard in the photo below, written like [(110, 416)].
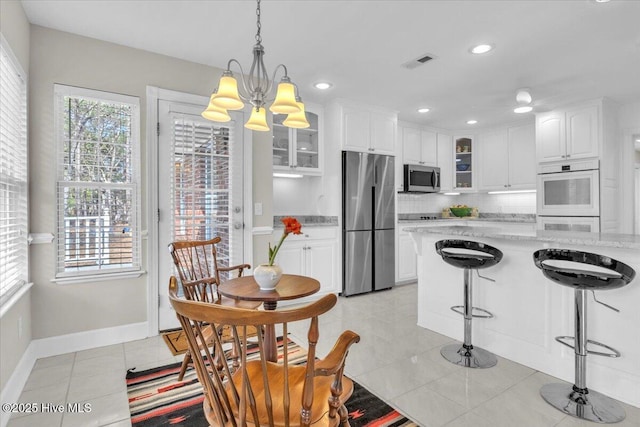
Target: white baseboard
[(53, 346)]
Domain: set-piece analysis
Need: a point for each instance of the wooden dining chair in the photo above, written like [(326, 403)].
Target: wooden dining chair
[(200, 274), (263, 393)]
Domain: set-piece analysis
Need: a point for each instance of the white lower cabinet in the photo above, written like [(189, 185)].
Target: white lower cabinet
[(407, 258), (314, 253)]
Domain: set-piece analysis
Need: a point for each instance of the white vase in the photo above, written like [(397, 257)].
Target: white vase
[(267, 276)]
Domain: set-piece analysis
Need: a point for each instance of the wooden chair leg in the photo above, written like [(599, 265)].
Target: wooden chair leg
[(344, 416), (185, 364)]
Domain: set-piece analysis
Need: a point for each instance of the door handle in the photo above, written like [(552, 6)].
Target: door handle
[(237, 225), (237, 209)]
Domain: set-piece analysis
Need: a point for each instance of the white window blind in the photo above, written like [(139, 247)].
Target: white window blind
[(98, 182), (13, 175), (201, 182)]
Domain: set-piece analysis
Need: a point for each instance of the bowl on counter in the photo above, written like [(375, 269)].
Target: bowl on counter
[(461, 212)]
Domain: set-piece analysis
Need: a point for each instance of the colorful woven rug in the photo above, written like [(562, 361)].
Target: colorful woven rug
[(156, 398)]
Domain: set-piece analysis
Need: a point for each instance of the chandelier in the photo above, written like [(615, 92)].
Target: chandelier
[(256, 89)]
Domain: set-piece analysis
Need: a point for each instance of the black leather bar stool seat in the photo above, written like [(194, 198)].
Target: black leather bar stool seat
[(616, 275), (583, 271), (484, 256), (469, 256)]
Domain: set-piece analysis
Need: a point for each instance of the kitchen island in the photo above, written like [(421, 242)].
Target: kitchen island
[(529, 309)]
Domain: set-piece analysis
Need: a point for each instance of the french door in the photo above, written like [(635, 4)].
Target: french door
[(200, 189)]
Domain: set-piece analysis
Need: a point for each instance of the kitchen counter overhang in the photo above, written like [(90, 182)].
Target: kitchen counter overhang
[(530, 310)]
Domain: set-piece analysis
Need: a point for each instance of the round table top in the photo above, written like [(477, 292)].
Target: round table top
[(290, 286)]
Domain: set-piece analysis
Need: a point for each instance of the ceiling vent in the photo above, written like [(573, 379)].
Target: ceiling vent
[(414, 63)]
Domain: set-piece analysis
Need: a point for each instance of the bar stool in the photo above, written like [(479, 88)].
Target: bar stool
[(469, 256), (559, 266)]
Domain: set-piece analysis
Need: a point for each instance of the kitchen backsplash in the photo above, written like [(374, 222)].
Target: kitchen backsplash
[(517, 203)]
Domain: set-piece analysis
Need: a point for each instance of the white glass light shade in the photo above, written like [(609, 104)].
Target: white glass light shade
[(215, 113), (227, 96), (285, 102), (523, 109), (297, 120), (523, 96), (258, 120)]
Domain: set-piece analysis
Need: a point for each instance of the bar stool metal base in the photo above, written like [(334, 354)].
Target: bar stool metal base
[(473, 357), (592, 406)]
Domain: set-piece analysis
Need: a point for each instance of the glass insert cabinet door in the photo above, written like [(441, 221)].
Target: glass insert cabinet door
[(463, 163), (296, 148)]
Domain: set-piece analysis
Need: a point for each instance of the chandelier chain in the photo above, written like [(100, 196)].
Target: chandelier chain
[(258, 24)]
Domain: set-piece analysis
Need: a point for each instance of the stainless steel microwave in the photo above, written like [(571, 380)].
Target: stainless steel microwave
[(421, 179)]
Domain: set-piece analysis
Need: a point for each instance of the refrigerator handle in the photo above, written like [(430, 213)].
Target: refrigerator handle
[(375, 175)]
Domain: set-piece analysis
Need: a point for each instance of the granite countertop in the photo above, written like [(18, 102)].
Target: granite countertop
[(308, 220), (495, 217), (628, 241)]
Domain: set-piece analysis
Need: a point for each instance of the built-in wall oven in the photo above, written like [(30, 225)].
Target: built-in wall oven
[(569, 196)]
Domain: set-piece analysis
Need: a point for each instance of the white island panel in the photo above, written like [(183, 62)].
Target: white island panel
[(530, 310)]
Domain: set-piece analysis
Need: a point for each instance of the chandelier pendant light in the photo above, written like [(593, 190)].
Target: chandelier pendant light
[(256, 90)]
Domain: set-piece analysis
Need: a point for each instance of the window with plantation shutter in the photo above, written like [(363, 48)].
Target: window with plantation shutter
[(13, 175), (98, 182)]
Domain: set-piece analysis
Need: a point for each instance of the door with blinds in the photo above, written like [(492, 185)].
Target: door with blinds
[(200, 186)]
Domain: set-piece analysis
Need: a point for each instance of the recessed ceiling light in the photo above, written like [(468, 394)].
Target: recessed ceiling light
[(322, 85), (423, 110), (472, 122), (523, 109), (481, 48), (602, 1)]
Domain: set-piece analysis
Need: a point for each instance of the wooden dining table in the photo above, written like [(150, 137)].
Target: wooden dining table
[(289, 287)]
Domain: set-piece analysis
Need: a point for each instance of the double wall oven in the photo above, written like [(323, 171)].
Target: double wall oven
[(569, 196)]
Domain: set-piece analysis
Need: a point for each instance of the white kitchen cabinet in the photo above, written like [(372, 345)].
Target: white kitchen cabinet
[(568, 134), (367, 130), (445, 161), (314, 253), (407, 257), (419, 147), (298, 150), (507, 159)]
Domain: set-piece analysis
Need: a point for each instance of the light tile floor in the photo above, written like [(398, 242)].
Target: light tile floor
[(397, 360)]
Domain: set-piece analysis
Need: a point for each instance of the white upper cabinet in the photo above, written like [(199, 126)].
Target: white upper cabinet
[(383, 133), (419, 147), (367, 129), (357, 129), (298, 150), (493, 158), (507, 159), (445, 161), (568, 134), (522, 157)]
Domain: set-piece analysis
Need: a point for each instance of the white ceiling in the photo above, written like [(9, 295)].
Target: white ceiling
[(564, 51)]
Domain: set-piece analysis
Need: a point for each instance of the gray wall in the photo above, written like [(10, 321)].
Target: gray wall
[(58, 57), (15, 29)]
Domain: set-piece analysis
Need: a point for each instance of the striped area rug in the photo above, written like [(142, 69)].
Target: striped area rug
[(156, 398)]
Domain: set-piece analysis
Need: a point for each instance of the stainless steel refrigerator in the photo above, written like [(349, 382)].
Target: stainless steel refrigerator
[(368, 221)]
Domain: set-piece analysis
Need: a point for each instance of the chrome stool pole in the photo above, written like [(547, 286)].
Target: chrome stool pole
[(466, 354), (577, 400)]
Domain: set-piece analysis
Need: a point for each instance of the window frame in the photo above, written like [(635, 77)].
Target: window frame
[(97, 274), (9, 294)]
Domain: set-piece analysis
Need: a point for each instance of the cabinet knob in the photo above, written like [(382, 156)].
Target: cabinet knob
[(568, 155)]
